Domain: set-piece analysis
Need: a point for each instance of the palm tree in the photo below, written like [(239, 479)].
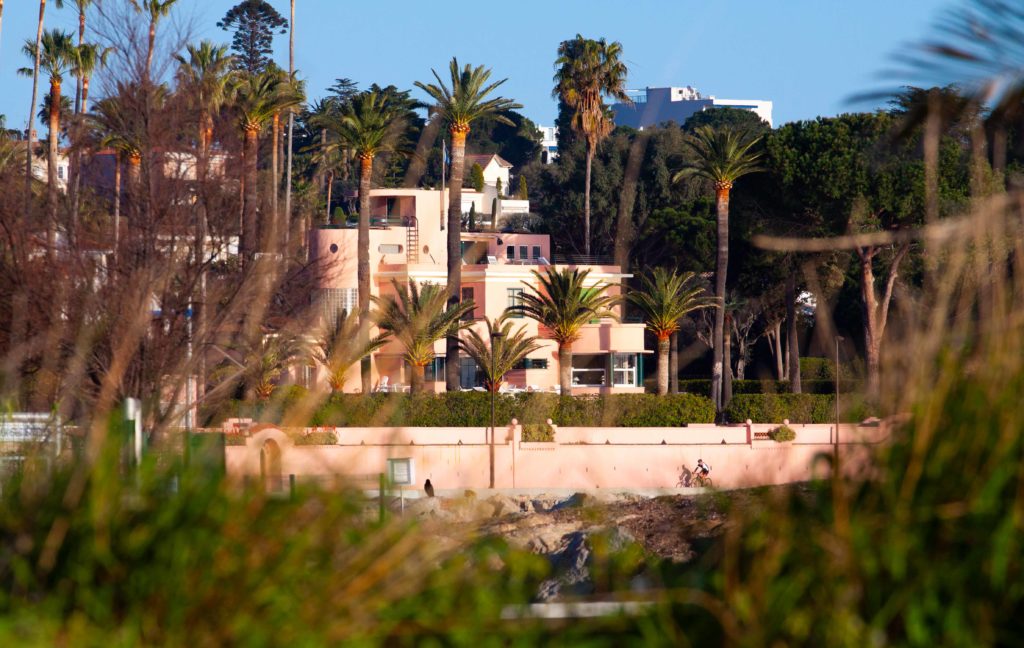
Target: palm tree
[(367, 125), (120, 127), (589, 70), (30, 132), (459, 105), (57, 56), (257, 98), (298, 87), (291, 129), (723, 156), (667, 297), (90, 58), (563, 304), (501, 353), (417, 317), (155, 9), (339, 347)]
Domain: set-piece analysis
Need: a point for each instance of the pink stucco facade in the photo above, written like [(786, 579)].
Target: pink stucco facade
[(407, 243), (579, 458)]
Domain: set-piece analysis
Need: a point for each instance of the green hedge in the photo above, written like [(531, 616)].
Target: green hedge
[(822, 369), (473, 409), (703, 386), (775, 408)]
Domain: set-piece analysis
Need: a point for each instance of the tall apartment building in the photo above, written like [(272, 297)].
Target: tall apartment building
[(408, 243), (654, 106)]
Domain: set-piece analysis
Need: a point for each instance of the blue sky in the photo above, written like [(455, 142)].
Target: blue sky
[(808, 56)]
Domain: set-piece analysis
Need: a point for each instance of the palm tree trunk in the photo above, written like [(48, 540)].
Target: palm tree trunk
[(565, 368), (727, 364), (451, 368), (363, 265), (51, 163), (416, 376), (586, 201), (721, 268), (250, 223), (81, 83), (330, 185), (291, 126), (627, 199), (664, 344), (31, 121), (117, 204), (673, 363), (149, 52), (275, 183), (791, 333)]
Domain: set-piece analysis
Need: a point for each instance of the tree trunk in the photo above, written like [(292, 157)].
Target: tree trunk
[(415, 379), (330, 186), (673, 363), (250, 225), (721, 268), (291, 127), (663, 364), (586, 201), (565, 368), (275, 183), (202, 230), (363, 265), (51, 163), (30, 133), (727, 363), (117, 204), (81, 85), (149, 52), (452, 365), (627, 199), (791, 333), (775, 339), (999, 146)]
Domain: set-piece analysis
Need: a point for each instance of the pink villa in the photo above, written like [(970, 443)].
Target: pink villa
[(408, 243)]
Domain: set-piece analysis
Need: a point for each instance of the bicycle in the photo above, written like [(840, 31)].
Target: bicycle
[(700, 481)]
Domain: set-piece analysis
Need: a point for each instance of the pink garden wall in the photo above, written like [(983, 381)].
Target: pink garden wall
[(579, 458)]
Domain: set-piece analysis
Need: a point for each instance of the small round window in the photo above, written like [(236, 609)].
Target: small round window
[(426, 249), (334, 248)]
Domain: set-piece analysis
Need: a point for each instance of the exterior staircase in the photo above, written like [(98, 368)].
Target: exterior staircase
[(412, 241)]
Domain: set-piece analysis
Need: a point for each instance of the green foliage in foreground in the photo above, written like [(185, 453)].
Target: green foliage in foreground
[(927, 552), (473, 409)]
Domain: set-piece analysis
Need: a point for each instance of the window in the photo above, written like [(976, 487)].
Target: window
[(624, 370), (386, 248), (515, 297), (532, 363), (511, 253), (60, 172), (523, 253), (334, 301), (467, 295), (434, 372), (468, 374), (536, 252)]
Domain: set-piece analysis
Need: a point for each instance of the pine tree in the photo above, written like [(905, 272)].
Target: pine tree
[(254, 23), (523, 193), (476, 177)]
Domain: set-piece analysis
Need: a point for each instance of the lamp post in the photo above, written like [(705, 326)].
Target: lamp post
[(495, 336)]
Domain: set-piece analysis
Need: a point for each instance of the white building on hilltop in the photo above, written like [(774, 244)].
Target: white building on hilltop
[(654, 106)]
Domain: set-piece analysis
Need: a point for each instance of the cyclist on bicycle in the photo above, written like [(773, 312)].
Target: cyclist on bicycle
[(702, 469)]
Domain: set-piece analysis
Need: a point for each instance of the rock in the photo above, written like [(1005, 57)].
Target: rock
[(578, 500)]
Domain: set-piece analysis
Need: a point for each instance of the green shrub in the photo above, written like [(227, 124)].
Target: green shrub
[(775, 408), (822, 369), (782, 433), (473, 409), (538, 432), (319, 437)]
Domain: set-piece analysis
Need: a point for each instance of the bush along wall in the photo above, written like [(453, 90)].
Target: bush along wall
[(808, 386), (775, 408), (473, 409)]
